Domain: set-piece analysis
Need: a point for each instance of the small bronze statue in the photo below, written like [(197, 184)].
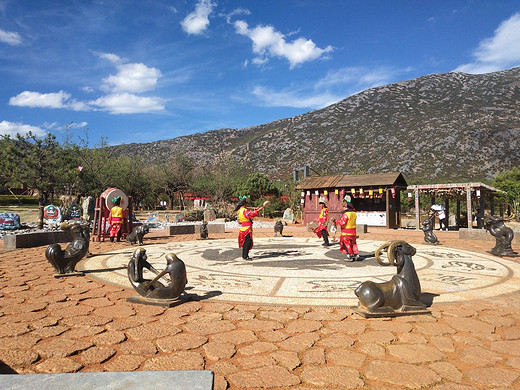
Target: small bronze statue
[(429, 235), (278, 228), (153, 289), (204, 230), (64, 261), (402, 292), (504, 236), (137, 235)]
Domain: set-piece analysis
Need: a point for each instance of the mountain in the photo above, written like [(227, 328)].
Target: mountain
[(440, 127)]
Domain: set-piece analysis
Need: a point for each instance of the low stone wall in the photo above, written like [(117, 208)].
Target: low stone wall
[(483, 235), (194, 229), (30, 240), (213, 228), (361, 229)]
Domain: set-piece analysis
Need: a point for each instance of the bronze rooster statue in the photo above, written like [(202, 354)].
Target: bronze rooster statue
[(64, 261)]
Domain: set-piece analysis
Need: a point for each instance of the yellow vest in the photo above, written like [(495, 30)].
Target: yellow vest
[(243, 220)]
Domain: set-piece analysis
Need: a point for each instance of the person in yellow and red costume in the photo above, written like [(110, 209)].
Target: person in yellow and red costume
[(245, 220), (115, 219), (321, 230), (347, 242)]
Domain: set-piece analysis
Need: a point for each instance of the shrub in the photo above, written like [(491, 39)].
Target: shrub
[(11, 200)]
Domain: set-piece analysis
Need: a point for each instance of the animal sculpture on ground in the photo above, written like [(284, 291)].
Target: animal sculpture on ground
[(153, 288), (278, 228), (402, 293), (503, 235), (136, 237), (64, 261), (204, 230), (429, 235)]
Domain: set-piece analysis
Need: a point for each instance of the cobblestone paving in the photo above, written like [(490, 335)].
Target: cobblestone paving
[(76, 324)]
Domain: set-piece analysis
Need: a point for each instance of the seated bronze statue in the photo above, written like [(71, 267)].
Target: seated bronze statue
[(428, 224), (503, 235), (278, 228), (64, 261), (204, 230), (153, 288), (402, 292), (137, 235)]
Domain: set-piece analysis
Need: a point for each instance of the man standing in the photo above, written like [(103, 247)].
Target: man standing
[(321, 230), (347, 242), (115, 219), (245, 220), (441, 213)]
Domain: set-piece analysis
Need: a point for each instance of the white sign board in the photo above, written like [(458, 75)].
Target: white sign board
[(371, 218)]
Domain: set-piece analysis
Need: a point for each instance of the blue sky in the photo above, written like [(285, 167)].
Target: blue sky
[(147, 70)]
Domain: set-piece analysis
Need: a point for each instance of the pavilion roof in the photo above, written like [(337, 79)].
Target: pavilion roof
[(453, 187), (337, 181)]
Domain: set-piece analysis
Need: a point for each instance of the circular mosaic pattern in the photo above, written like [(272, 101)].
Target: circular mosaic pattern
[(299, 271)]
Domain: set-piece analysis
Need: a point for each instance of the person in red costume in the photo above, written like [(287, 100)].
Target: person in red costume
[(347, 242), (115, 219), (321, 230), (245, 220)]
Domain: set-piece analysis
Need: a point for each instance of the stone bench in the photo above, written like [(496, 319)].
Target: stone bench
[(483, 235), (194, 228), (361, 228), (30, 240), (157, 380)]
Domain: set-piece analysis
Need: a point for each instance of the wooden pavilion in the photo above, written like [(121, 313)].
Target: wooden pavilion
[(482, 194), (376, 197)]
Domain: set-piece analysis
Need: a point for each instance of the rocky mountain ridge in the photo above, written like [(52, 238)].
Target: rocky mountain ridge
[(440, 127)]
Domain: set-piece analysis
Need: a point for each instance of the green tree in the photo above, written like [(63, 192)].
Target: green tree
[(132, 178), (37, 163), (220, 180), (509, 181), (6, 173), (256, 186), (174, 178)]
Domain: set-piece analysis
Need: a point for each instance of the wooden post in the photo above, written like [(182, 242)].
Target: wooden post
[(480, 216), (417, 210), (468, 207), (458, 213), (447, 206)]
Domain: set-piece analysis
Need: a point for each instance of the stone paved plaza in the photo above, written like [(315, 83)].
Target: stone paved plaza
[(283, 321)]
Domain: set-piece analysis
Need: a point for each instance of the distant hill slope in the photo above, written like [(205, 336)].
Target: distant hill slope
[(450, 127)]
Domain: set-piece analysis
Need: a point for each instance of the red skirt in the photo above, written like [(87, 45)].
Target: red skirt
[(346, 241), (319, 230), (114, 229), (242, 237)]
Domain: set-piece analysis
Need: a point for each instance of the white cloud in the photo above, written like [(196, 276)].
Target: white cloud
[(11, 38), (198, 21), (335, 86), (292, 98), (121, 98), (267, 42), (134, 77), (499, 52), (59, 99), (126, 103), (236, 12), (358, 77), (12, 128), (42, 100)]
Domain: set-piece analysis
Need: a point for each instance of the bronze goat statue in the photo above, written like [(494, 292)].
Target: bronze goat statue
[(64, 260), (402, 293), (153, 289)]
